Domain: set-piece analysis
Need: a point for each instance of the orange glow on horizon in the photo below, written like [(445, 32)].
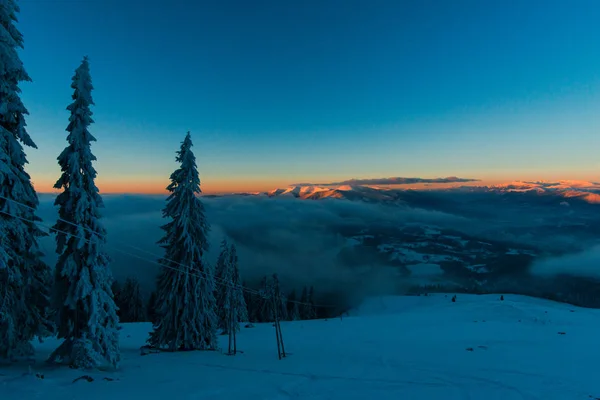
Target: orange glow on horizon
[(148, 185)]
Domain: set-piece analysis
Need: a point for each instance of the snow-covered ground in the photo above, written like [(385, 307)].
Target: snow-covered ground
[(390, 348)]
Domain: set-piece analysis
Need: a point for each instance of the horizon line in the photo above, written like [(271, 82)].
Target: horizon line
[(411, 183)]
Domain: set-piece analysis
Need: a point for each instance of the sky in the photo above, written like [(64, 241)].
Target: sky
[(276, 92)]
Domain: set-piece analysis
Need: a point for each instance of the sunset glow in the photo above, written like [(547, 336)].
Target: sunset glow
[(265, 114), (373, 180)]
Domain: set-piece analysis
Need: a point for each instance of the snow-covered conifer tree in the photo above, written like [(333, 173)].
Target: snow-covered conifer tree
[(24, 279), (229, 292), (304, 307), (282, 312), (151, 307), (293, 312), (311, 309), (116, 289), (86, 311), (264, 303), (222, 261), (186, 309), (238, 294), (307, 308), (132, 305), (279, 298), (223, 283), (249, 298)]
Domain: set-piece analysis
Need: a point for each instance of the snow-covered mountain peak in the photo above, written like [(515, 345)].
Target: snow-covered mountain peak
[(582, 190), (307, 192)]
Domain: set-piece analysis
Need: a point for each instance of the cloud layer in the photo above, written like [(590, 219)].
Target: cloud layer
[(301, 240), (585, 263)]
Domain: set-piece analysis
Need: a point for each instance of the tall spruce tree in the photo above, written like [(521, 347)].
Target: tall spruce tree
[(186, 309), (311, 309), (222, 261), (116, 289), (132, 305), (24, 279), (229, 292), (86, 311), (279, 299), (249, 298), (264, 304), (293, 311), (151, 307), (238, 293), (304, 306), (282, 312), (223, 278)]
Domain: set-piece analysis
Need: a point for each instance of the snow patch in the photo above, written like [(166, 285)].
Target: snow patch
[(413, 347)]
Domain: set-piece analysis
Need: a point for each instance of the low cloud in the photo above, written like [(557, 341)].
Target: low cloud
[(585, 264), (301, 240)]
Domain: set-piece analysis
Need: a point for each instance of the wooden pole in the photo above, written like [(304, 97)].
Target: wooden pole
[(277, 304), (235, 338), (279, 337), (234, 323), (229, 329), (276, 324), (281, 340)]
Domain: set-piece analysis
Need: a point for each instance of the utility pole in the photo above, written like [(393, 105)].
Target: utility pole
[(234, 340), (235, 315), (229, 332), (231, 319), (276, 297)]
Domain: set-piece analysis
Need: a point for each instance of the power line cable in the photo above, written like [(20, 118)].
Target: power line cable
[(204, 274)]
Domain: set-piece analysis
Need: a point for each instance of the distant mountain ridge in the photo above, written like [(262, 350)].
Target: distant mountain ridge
[(588, 192), (390, 181)]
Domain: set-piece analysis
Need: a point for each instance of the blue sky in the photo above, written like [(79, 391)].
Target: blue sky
[(276, 91)]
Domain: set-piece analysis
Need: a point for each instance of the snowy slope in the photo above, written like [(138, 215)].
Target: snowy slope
[(390, 348)]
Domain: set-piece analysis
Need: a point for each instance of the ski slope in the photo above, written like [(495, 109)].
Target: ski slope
[(390, 348)]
